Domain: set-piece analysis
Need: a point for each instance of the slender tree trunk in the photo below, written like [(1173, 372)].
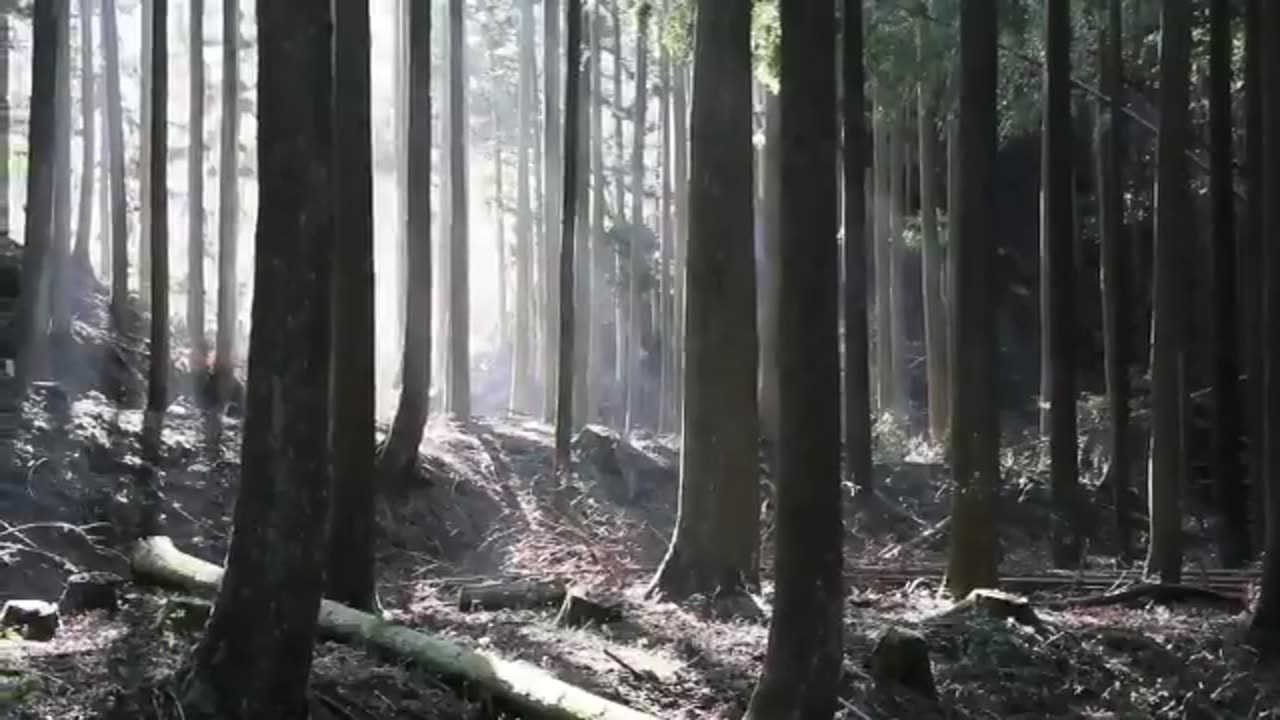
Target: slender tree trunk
[(803, 660), (228, 206), (667, 422), (255, 656), (883, 268), (640, 112), (897, 269), (1117, 315), (552, 168), (47, 21), (158, 373), (104, 191), (400, 451), (146, 81), (1164, 553), (6, 123), (459, 260), (88, 98), (771, 222), (1059, 285), (975, 429), (400, 97), (522, 360), (350, 577), (622, 376), (115, 138), (932, 263), (857, 373), (569, 193), (195, 199), (715, 548), (1266, 620), (1250, 253), (1233, 499), (500, 242), (599, 245), (680, 166)]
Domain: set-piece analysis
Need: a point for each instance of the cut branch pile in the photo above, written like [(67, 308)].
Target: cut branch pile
[(523, 687)]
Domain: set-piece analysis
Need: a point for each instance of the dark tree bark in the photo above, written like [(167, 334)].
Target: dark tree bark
[(1265, 628), (146, 83), (88, 101), (1168, 334), (1117, 316), (350, 575), (195, 199), (47, 20), (228, 205), (255, 657), (1060, 332), (1249, 252), (1233, 498), (715, 549), (857, 371), (767, 283), (569, 192), (115, 139), (635, 300), (932, 253), (459, 387), (158, 367), (401, 449), (803, 660), (975, 429), (552, 169)]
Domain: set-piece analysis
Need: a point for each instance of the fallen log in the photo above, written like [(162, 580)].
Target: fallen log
[(517, 595), (1156, 593), (523, 687)]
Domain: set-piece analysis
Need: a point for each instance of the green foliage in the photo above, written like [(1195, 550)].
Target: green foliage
[(766, 43)]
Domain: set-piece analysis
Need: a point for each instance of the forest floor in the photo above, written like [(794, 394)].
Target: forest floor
[(482, 507)]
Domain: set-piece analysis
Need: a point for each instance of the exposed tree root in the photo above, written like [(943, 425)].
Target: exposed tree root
[(524, 688)]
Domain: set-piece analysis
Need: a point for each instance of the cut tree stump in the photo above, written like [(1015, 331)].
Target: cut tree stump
[(517, 595), (525, 688), (89, 591), (33, 619), (579, 610), (993, 603), (900, 659)]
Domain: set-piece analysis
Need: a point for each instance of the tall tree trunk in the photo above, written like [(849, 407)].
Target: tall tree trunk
[(459, 251), (255, 656), (883, 268), (1168, 341), (1266, 620), (771, 228), (47, 21), (400, 451), (88, 99), (553, 167), (857, 371), (1059, 285), (115, 138), (975, 428), (146, 80), (228, 205), (350, 577), (932, 254), (60, 276), (1233, 499), (6, 122), (715, 548), (803, 660), (500, 241), (195, 199), (599, 245), (640, 112), (158, 372), (680, 167), (667, 421), (400, 120), (620, 274), (897, 268), (569, 193), (1117, 311), (1250, 254), (522, 361), (104, 190), (583, 256)]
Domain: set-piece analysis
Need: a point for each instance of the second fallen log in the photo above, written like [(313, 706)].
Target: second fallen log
[(516, 595)]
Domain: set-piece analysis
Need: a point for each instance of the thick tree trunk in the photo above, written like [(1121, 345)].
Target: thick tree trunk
[(1117, 318), (1234, 540), (88, 101), (195, 196), (400, 452), (115, 138), (715, 549), (459, 236), (255, 657), (975, 429), (350, 576), (228, 205), (158, 369), (48, 19), (803, 660), (569, 193), (771, 222), (1164, 552), (857, 371), (1058, 287)]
